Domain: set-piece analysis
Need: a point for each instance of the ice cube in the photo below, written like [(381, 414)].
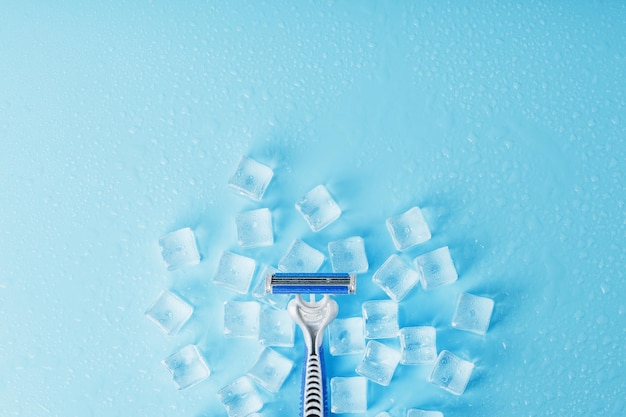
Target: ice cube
[(348, 394), (436, 268), (473, 313), (414, 412), (408, 229), (301, 258), (318, 208), (396, 278), (254, 228), (383, 414), (240, 397), (276, 328), (278, 301), (451, 372), (379, 363), (251, 178), (381, 319), (346, 336), (348, 255), (235, 272), (418, 345), (179, 249), (169, 312), (187, 367), (241, 319), (271, 369)]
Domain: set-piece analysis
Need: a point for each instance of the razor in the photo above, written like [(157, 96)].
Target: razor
[(312, 316)]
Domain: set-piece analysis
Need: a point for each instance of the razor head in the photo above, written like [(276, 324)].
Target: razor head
[(338, 283)]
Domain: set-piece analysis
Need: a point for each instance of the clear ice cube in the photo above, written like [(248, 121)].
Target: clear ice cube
[(473, 313), (451, 373), (251, 178), (414, 412), (187, 367), (396, 278), (381, 319), (383, 414), (379, 363), (348, 255), (254, 228), (276, 328), (346, 336), (179, 249), (278, 301), (436, 268), (318, 208), (408, 229), (418, 345), (240, 398), (235, 272), (348, 394), (241, 319), (301, 258), (169, 312), (271, 369)]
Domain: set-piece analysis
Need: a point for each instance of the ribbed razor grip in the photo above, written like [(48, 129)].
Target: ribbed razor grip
[(314, 395)]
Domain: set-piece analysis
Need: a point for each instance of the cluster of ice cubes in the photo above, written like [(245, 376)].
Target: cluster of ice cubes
[(263, 316)]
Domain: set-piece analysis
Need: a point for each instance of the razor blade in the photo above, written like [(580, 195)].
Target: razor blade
[(338, 283)]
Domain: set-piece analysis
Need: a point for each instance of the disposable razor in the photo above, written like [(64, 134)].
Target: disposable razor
[(312, 317)]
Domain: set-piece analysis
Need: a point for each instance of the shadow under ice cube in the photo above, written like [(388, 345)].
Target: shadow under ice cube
[(187, 367), (179, 249), (169, 312), (451, 373)]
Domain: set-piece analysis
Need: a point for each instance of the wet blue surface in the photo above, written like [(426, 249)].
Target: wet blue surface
[(119, 123)]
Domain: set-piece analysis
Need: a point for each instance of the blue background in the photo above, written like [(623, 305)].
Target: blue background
[(122, 121)]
